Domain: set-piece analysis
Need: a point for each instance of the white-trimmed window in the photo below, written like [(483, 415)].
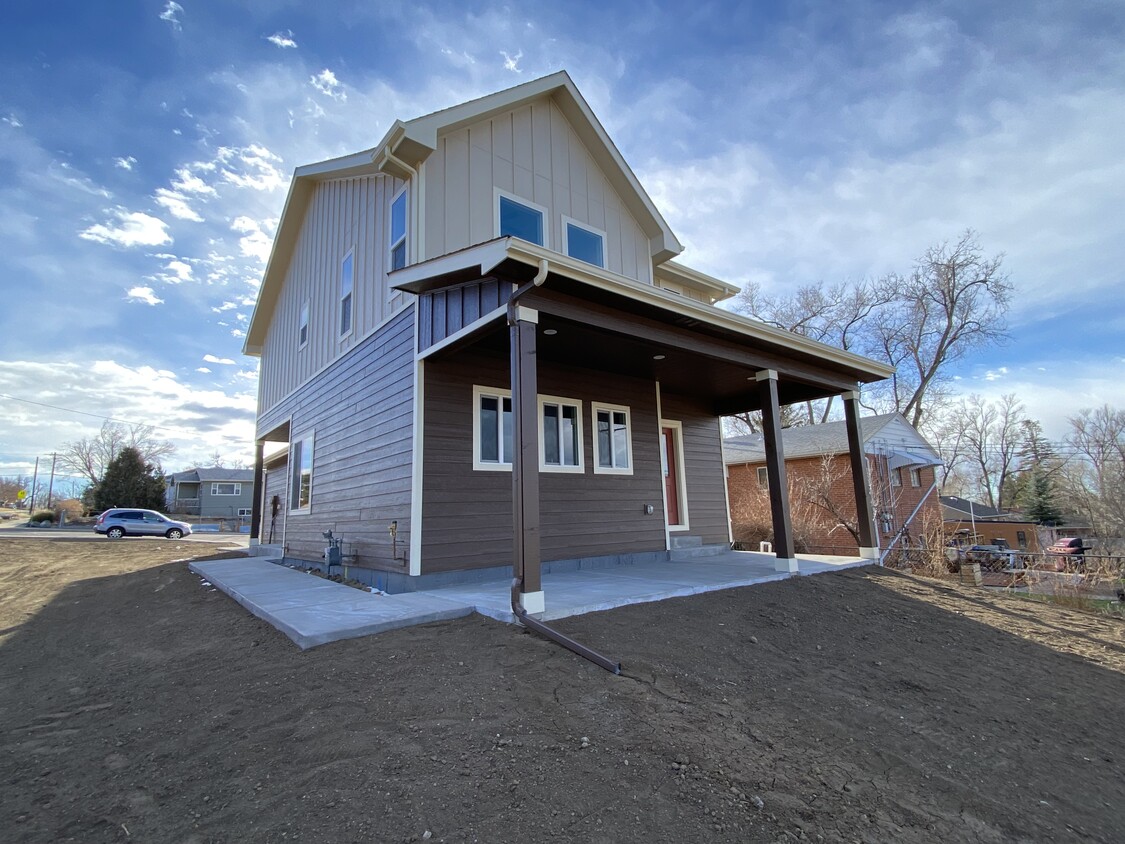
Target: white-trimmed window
[(347, 285), (220, 488), (303, 326), (516, 217), (492, 429), (896, 477), (560, 440), (300, 465), (583, 242), (763, 477), (397, 238), (613, 440), (245, 511), (916, 476)]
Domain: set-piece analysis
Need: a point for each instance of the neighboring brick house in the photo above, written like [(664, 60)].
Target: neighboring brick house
[(211, 493), (903, 485), (972, 523)]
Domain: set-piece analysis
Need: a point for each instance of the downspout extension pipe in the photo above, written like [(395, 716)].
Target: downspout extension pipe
[(518, 609)]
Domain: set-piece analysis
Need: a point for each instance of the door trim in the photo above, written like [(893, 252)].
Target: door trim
[(677, 429)]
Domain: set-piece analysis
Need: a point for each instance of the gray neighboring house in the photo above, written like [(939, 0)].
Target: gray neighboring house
[(213, 493), (478, 354)]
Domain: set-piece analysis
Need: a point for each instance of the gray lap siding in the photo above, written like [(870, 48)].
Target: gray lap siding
[(467, 513), (360, 412)]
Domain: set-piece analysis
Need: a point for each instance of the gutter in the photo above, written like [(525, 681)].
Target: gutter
[(518, 573)]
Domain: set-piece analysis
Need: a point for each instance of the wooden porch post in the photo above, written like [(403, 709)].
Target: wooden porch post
[(865, 515), (256, 502), (527, 560), (775, 471)]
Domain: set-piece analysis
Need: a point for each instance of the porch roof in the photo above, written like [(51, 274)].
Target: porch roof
[(596, 319)]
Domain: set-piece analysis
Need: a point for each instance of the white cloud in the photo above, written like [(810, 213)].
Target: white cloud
[(202, 369), (512, 63), (12, 121), (212, 359), (187, 181), (125, 163), (327, 83), (143, 294), (133, 228), (179, 270), (283, 39), (254, 243), (251, 167), (177, 205), (996, 374), (171, 10)]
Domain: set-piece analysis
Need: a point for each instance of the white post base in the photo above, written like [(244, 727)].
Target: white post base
[(254, 542), (788, 564), (534, 602), (869, 553)]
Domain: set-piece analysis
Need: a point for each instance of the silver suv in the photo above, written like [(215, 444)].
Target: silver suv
[(128, 521)]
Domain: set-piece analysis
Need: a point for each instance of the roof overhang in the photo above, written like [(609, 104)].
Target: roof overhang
[(605, 321)]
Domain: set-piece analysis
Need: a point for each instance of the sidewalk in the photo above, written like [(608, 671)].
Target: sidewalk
[(312, 611)]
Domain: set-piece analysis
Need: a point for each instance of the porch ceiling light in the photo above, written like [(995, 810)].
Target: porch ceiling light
[(658, 357), (550, 332)]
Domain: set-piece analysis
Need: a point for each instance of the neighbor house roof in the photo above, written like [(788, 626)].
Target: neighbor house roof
[(212, 474), (956, 509), (888, 434), (410, 143)]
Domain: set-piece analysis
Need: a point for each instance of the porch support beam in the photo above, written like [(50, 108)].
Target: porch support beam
[(256, 502), (865, 514), (775, 472), (527, 559)]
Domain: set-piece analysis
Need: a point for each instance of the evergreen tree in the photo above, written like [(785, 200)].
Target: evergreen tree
[(130, 482), (1039, 499)]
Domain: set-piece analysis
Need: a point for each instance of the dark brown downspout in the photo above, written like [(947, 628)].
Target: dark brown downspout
[(526, 560)]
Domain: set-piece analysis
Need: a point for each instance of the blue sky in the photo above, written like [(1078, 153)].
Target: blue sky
[(146, 147)]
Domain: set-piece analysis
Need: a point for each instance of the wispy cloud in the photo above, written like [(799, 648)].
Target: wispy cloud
[(327, 83), (283, 39), (254, 243), (512, 63), (133, 228), (125, 163), (213, 359), (177, 205), (143, 294), (12, 121), (171, 13)]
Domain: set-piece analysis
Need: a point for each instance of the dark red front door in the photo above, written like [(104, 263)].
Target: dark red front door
[(671, 481)]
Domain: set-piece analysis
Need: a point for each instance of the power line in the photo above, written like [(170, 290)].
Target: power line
[(100, 416)]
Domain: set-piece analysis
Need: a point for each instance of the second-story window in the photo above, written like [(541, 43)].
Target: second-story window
[(303, 327), (398, 231), (347, 283), (519, 218), (584, 243)]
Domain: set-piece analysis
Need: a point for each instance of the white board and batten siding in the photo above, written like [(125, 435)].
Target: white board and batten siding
[(532, 153), (342, 215)]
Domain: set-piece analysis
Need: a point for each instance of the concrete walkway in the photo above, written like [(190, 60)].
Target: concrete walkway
[(312, 611)]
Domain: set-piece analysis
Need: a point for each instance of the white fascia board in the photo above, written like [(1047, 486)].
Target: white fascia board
[(679, 272)]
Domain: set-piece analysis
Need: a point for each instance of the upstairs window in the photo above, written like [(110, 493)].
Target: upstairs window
[(584, 243), (519, 218), (613, 446), (560, 445), (398, 232), (347, 283), (303, 327), (300, 463)]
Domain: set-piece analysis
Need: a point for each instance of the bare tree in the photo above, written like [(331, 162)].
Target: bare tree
[(955, 300), (1094, 482), (987, 438), (90, 456)]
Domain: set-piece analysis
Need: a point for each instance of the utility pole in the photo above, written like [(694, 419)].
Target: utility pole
[(51, 485), (34, 481)]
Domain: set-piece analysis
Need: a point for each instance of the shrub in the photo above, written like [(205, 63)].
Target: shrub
[(43, 516)]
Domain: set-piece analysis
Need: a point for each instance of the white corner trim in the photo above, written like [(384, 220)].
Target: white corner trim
[(866, 553), (786, 564), (534, 602), (416, 466), (766, 375), (525, 314)]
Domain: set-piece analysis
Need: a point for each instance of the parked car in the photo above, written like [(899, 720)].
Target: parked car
[(130, 521), (993, 557)]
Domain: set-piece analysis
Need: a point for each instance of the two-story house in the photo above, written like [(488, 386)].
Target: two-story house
[(479, 354), (211, 493)]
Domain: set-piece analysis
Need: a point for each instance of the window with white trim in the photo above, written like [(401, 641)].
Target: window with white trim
[(560, 440), (763, 477), (303, 326), (492, 428), (916, 476), (516, 217), (896, 477), (613, 441), (583, 242), (397, 237), (300, 465), (245, 511), (220, 488), (347, 284)]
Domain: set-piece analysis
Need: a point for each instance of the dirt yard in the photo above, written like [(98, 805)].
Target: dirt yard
[(140, 705)]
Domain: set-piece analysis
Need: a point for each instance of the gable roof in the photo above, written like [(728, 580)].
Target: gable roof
[(212, 473), (410, 143), (881, 434), (956, 509)]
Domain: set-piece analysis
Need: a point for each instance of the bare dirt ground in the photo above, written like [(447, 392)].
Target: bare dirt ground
[(139, 705)]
